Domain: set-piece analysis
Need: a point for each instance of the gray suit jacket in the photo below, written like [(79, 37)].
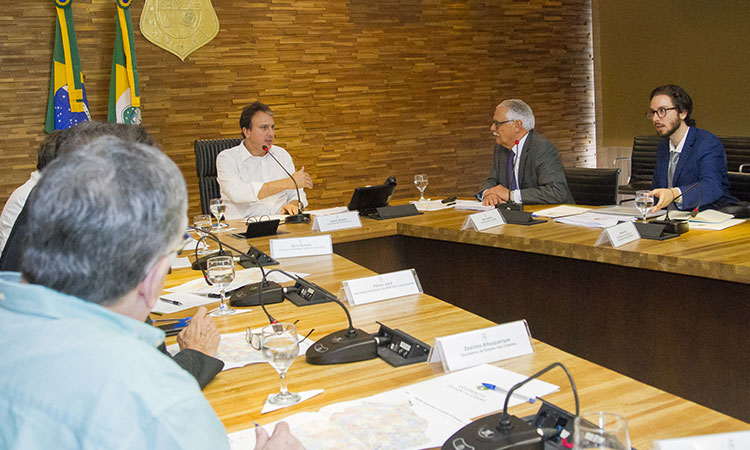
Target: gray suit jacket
[(540, 172)]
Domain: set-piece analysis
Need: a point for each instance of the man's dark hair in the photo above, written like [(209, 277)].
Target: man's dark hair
[(48, 149), (84, 132), (680, 99), (246, 118)]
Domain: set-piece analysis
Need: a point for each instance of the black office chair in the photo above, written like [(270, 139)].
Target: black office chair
[(593, 186), (206, 151), (642, 164)]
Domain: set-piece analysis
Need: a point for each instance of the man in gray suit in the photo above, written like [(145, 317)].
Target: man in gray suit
[(526, 166)]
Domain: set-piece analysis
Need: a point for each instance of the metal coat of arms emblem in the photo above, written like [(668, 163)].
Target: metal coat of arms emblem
[(179, 26)]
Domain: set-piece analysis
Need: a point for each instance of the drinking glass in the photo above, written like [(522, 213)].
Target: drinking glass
[(202, 224), (421, 181), (280, 348), (220, 272), (218, 208), (601, 431), (644, 201)]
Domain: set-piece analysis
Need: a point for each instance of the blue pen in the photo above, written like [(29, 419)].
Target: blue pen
[(178, 323), (492, 387)]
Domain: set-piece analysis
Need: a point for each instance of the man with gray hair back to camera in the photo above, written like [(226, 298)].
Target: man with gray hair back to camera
[(526, 167), (80, 367)]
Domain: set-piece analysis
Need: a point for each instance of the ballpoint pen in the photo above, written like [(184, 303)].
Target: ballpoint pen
[(171, 302), (492, 387)]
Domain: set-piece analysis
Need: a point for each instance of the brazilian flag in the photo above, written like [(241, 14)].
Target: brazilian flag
[(67, 96), (124, 97)]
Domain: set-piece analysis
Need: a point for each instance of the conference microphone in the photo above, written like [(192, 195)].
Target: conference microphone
[(345, 346), (300, 217), (679, 226), (504, 431), (253, 294)]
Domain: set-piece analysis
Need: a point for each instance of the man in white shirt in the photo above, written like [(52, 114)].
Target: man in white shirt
[(46, 153), (253, 183)]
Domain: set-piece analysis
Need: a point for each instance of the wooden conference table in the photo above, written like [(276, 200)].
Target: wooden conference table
[(237, 395)]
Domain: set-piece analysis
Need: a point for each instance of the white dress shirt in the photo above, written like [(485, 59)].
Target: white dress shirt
[(14, 205), (241, 176)]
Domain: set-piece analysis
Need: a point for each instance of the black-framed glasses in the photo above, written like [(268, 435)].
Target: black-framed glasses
[(661, 112), (496, 124)]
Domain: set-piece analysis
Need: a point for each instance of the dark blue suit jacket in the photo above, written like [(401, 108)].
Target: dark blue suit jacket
[(702, 161)]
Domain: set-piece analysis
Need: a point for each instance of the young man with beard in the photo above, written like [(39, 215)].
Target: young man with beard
[(687, 156)]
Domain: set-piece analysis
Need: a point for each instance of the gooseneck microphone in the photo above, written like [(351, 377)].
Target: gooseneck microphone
[(679, 226), (504, 431), (273, 291), (300, 217), (694, 211)]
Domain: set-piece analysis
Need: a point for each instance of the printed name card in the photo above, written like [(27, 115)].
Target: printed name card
[(303, 246), (333, 222), (483, 220), (485, 345), (619, 235), (381, 287)]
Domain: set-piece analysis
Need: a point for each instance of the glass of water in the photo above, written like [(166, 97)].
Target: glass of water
[(280, 347), (202, 224), (220, 272), (218, 208), (601, 431), (421, 181), (644, 200)]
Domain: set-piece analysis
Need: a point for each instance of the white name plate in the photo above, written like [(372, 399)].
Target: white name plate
[(381, 287), (483, 220), (303, 246), (485, 345), (333, 222), (619, 235)]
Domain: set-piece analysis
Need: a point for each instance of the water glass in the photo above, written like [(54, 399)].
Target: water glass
[(280, 347), (220, 272), (644, 200), (421, 181), (218, 208)]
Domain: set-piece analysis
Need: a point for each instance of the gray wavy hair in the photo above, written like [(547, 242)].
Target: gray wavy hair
[(519, 110), (101, 216)]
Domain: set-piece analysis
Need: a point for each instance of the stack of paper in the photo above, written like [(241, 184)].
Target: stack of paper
[(592, 219), (472, 205), (423, 415)]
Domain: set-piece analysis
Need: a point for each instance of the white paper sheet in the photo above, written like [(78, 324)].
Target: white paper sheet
[(235, 351), (560, 211), (591, 219)]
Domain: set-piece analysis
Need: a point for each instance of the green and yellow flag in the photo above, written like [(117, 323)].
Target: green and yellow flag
[(124, 97), (67, 96)]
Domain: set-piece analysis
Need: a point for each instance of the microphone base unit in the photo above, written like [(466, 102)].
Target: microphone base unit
[(307, 293), (400, 349), (485, 434), (339, 347), (673, 226), (202, 262), (257, 258), (249, 295), (510, 206), (298, 218)]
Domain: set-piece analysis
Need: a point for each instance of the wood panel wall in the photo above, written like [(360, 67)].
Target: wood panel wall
[(360, 89)]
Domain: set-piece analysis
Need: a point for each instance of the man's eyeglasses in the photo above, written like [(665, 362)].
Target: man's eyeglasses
[(496, 124), (661, 112)]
